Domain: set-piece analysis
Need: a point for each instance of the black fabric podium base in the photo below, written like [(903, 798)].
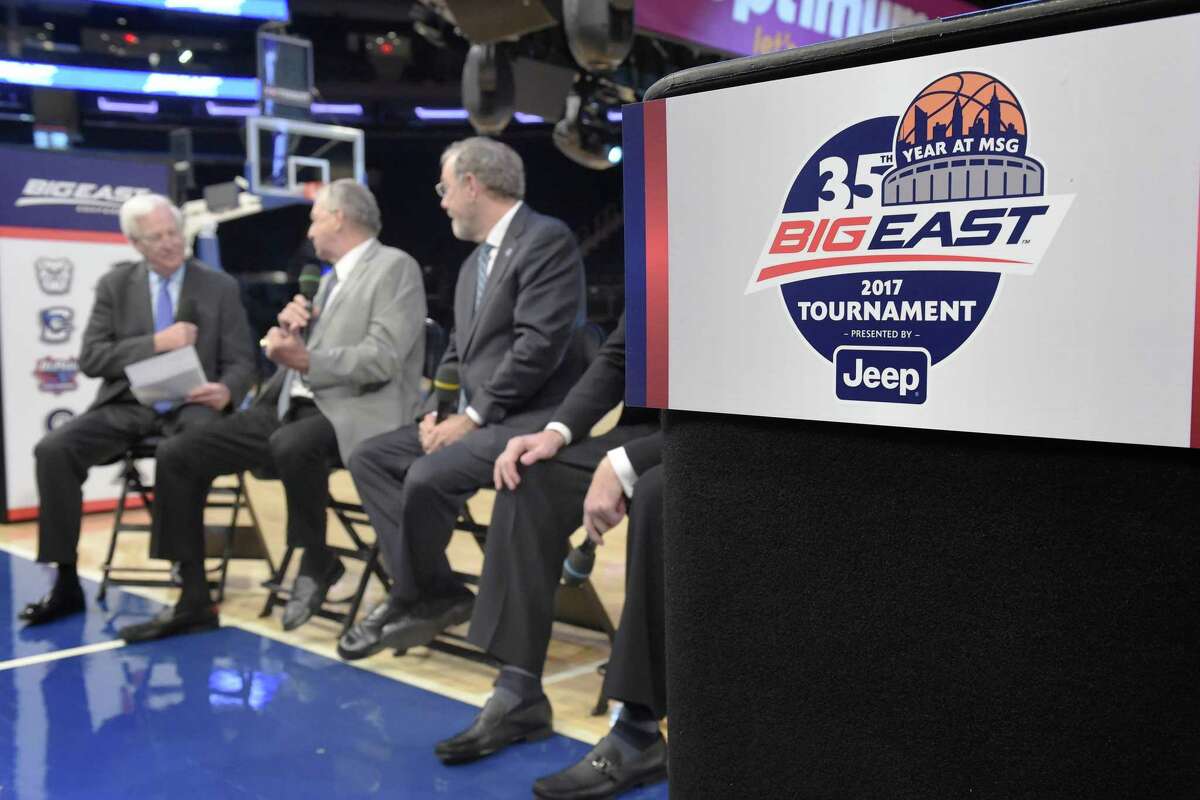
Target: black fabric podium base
[(862, 612)]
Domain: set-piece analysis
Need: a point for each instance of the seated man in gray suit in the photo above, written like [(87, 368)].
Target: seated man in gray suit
[(357, 375), (133, 318), (517, 305)]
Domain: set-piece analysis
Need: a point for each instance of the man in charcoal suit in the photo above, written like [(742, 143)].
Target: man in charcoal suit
[(518, 306), (547, 482), (357, 375), (164, 302)]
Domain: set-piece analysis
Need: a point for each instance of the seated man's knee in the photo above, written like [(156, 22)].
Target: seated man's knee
[(173, 454)]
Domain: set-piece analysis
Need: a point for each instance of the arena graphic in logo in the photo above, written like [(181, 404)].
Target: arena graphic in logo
[(54, 274), (58, 417), (897, 231), (57, 375), (57, 324)]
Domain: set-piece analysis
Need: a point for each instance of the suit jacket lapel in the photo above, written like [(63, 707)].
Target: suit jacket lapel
[(143, 308), (187, 292), (500, 267), (347, 286)]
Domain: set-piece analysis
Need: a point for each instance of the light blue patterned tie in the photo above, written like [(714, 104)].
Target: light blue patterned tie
[(481, 275), (164, 317)]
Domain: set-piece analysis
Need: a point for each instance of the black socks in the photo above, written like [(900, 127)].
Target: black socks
[(195, 585), (67, 582), (636, 729)]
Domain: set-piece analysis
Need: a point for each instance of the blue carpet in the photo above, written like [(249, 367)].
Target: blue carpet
[(230, 714), (23, 581)]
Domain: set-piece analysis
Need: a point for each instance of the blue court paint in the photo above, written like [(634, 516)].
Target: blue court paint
[(229, 714), (23, 581)]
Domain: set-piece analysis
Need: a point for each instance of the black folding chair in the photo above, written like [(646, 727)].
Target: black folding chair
[(223, 542)]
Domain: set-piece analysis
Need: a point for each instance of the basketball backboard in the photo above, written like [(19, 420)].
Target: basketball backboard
[(290, 158)]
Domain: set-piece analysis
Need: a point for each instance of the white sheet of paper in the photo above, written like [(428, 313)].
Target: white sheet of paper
[(169, 376)]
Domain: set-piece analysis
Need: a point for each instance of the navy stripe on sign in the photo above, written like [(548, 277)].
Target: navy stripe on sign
[(634, 173)]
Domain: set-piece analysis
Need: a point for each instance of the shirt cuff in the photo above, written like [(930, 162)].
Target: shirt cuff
[(474, 415), (561, 430), (626, 474)]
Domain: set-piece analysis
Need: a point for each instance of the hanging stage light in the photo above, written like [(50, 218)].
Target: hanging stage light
[(585, 134), (488, 89), (599, 32)]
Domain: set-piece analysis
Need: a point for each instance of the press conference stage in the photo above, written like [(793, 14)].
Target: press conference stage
[(254, 711)]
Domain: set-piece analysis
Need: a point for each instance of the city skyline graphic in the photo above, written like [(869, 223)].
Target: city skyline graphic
[(962, 104)]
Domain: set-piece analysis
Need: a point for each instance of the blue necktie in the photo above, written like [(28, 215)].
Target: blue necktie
[(164, 317), (481, 275)]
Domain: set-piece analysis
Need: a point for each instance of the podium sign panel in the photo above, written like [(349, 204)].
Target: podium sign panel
[(999, 240)]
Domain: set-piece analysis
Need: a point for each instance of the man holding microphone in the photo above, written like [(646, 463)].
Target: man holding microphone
[(350, 369)]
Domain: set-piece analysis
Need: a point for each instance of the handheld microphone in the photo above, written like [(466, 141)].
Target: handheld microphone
[(578, 564), (446, 387), (310, 282)]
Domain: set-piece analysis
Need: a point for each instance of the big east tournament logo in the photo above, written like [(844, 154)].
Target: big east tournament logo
[(896, 233)]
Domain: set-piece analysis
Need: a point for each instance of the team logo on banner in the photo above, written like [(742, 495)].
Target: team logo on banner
[(58, 417), (897, 232), (54, 274), (57, 324), (57, 375)]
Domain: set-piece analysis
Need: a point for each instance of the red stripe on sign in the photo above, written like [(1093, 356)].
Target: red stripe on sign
[(89, 507), (1196, 343), (657, 265), (60, 235), (792, 267)]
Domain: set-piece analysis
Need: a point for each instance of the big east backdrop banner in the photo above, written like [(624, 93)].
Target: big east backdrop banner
[(1002, 240), (58, 235)]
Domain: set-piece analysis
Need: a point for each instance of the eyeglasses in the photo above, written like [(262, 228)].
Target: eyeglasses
[(441, 188), (160, 237)]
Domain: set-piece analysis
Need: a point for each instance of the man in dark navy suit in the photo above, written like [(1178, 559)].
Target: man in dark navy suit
[(518, 305), (135, 316)]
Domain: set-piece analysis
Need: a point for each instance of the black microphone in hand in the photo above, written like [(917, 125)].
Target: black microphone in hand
[(577, 566), (446, 387), (310, 282)]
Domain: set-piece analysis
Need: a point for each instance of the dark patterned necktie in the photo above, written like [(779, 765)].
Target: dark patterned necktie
[(481, 275)]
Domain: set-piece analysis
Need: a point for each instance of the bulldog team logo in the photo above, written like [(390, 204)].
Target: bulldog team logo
[(57, 375), (57, 324), (54, 274), (896, 233)]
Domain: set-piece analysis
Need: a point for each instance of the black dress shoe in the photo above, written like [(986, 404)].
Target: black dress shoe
[(603, 773), (308, 593), (173, 621), (427, 619), (55, 605), (365, 638), (494, 730)]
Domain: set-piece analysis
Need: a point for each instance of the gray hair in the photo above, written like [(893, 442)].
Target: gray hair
[(355, 201), (139, 206), (494, 164)]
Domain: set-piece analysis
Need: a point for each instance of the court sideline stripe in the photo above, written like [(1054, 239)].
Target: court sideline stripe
[(57, 655)]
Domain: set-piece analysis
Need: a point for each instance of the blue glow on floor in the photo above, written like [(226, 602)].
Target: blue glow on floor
[(23, 581), (229, 714)]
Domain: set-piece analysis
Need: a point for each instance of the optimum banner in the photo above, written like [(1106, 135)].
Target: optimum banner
[(58, 235), (1002, 240)]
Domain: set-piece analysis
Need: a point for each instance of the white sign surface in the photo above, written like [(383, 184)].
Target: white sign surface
[(1000, 240)]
